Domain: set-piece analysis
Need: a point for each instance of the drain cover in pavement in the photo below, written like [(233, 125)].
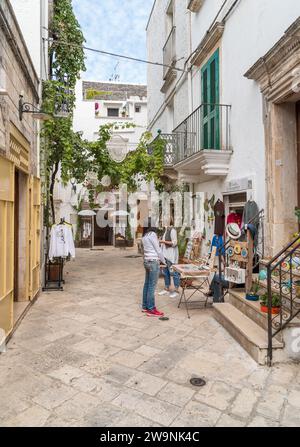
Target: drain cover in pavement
[(197, 381)]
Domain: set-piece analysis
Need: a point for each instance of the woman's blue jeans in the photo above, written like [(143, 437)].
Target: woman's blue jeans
[(168, 274), (151, 278)]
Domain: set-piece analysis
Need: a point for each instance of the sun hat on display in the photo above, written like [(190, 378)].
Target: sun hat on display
[(233, 231)]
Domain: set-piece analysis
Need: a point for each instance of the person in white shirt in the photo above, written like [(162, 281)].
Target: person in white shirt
[(153, 257), (169, 246)]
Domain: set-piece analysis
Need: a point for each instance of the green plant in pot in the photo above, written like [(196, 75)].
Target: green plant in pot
[(253, 294), (276, 303)]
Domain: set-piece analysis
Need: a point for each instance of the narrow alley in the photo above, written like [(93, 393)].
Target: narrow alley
[(88, 356)]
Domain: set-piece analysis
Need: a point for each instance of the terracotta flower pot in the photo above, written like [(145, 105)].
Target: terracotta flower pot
[(275, 310)]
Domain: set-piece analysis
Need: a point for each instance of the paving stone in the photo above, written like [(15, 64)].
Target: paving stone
[(134, 420), (195, 414), (161, 363), (158, 411), (176, 394), (216, 394), (119, 374), (66, 374), (244, 403), (96, 348), (129, 358), (147, 351), (282, 375), (146, 383), (54, 396), (291, 416), (104, 390), (272, 402), (128, 399), (96, 365), (260, 421), (32, 417), (258, 378), (229, 421), (103, 417), (294, 398), (77, 408)]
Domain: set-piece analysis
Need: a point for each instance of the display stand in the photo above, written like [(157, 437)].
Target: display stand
[(240, 262), (50, 283)]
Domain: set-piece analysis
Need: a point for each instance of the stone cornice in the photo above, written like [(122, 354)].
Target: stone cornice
[(278, 61), (208, 43), (11, 29)]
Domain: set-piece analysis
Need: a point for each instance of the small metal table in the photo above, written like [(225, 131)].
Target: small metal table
[(189, 273)]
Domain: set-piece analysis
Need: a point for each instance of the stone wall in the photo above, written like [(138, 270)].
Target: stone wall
[(20, 77)]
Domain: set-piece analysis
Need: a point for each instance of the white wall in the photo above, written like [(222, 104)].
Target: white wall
[(251, 29), (32, 16), (85, 120)]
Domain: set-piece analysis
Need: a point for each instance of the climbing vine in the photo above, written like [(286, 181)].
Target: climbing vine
[(64, 150), (140, 164)]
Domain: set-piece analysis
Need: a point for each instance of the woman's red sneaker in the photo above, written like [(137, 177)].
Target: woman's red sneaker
[(154, 313)]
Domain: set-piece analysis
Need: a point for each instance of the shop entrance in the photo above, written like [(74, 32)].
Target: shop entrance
[(21, 244), (102, 236)]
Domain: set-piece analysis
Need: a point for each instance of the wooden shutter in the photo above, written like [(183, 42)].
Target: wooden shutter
[(35, 235), (210, 99), (7, 175)]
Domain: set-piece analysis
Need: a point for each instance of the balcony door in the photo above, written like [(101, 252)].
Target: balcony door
[(210, 99)]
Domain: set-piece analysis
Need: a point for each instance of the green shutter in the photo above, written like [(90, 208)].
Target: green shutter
[(210, 95)]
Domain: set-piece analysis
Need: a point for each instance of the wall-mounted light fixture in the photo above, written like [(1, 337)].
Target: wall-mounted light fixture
[(27, 107)]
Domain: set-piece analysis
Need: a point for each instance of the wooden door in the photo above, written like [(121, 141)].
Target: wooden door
[(7, 183)]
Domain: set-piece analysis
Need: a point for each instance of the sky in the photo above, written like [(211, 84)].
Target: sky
[(117, 26)]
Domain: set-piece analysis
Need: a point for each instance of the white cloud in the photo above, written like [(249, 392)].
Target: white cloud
[(117, 26)]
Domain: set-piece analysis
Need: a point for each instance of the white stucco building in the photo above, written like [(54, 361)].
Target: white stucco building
[(99, 103), (225, 148)]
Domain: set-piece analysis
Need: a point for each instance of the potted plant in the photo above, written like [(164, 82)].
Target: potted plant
[(253, 294), (276, 304)]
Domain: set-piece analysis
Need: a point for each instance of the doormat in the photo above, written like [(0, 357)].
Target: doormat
[(97, 249)]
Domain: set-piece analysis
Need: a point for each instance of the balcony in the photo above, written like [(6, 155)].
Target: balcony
[(169, 59), (199, 147)]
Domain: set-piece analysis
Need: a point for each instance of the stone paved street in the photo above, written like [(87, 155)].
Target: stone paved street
[(87, 356)]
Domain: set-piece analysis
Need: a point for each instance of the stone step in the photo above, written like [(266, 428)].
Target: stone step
[(252, 309), (248, 334)]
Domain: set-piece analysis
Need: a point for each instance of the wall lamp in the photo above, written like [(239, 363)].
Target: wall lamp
[(61, 111), (27, 107)]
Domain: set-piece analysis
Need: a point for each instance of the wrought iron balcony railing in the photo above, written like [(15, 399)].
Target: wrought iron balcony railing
[(169, 52), (170, 148), (207, 127)]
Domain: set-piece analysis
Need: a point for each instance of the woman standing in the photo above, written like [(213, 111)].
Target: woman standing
[(170, 251), (153, 257)]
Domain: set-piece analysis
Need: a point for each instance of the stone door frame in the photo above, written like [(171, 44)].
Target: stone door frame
[(278, 75)]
